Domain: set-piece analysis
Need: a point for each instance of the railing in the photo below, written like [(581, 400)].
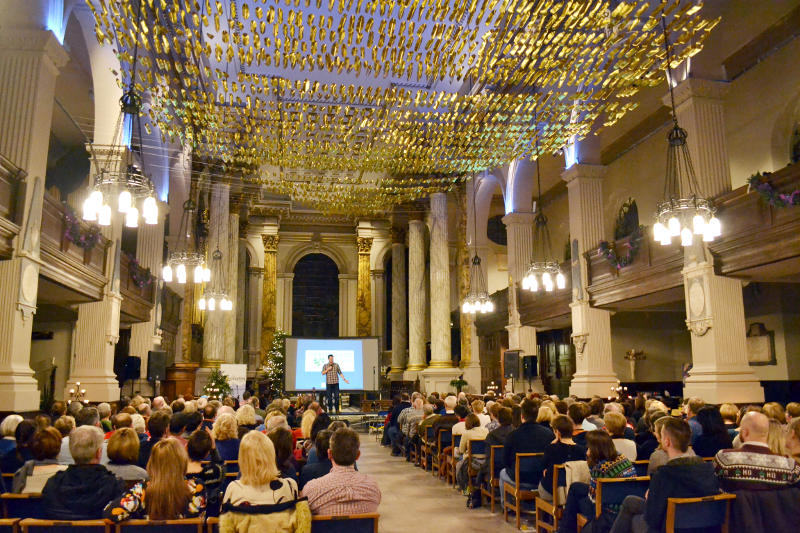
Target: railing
[(138, 290), (10, 204)]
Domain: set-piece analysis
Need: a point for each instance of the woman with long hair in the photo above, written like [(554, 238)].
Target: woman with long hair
[(282, 441), (246, 419), (226, 435), (169, 495), (715, 436), (19, 455)]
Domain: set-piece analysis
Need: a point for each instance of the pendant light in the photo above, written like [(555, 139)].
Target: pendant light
[(477, 299)]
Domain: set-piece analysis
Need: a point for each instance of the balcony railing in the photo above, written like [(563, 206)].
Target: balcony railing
[(138, 289), (10, 205)]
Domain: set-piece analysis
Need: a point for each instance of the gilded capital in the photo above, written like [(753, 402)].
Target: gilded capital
[(364, 245), (270, 242)]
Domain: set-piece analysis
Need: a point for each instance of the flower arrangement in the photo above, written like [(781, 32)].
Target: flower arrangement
[(458, 383), (217, 386), (141, 277), (608, 250), (74, 232), (771, 196)]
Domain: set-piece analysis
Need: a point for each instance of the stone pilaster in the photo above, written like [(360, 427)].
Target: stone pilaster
[(284, 298), (232, 271), (416, 299), (364, 296), (591, 328), (399, 305), (348, 293), (253, 355), (240, 304), (268, 292), (214, 325)]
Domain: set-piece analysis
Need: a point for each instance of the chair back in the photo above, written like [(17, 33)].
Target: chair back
[(429, 436), (611, 491), (31, 525), (559, 485), (22, 505), (8, 525), (445, 438), (186, 525), (212, 524), (641, 467), (476, 447), (456, 441), (496, 460), (7, 482), (528, 464), (359, 523), (706, 513), (231, 466)]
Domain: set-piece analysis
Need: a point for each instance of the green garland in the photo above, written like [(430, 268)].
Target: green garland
[(275, 362), (614, 259), (771, 196)]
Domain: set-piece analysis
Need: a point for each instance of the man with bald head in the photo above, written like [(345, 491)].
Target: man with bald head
[(753, 466)]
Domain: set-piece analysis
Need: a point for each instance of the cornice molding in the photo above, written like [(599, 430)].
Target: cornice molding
[(583, 171), (30, 40)]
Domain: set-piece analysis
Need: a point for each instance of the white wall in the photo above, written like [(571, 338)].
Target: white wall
[(43, 352), (662, 336)]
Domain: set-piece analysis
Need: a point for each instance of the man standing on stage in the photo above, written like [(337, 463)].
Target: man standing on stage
[(332, 372)]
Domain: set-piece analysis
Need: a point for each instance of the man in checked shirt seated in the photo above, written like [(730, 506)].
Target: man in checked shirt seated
[(343, 491)]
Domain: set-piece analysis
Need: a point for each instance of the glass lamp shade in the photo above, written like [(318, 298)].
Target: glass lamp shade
[(561, 281), (125, 201), (201, 304), (89, 210), (206, 274), (104, 215), (698, 224), (180, 273), (212, 304), (166, 273), (716, 226), (132, 218), (686, 237), (198, 274), (674, 226), (150, 210)]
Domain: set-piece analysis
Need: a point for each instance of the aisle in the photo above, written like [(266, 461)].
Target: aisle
[(415, 501)]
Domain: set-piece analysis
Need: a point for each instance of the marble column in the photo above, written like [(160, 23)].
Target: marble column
[(29, 64), (399, 305), (268, 292), (232, 285), (714, 304), (364, 296), (441, 371), (591, 327), (466, 249), (416, 299), (253, 355), (284, 297), (214, 324)]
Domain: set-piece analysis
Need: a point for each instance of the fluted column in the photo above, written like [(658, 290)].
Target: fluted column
[(714, 304), (232, 271), (29, 64), (254, 285), (214, 325), (470, 362), (242, 297), (399, 304), (591, 328), (416, 299), (268, 292), (364, 295)]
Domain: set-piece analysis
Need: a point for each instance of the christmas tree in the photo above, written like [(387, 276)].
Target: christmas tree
[(217, 386), (275, 362)]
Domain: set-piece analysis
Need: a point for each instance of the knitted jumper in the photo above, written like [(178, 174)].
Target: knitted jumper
[(614, 468)]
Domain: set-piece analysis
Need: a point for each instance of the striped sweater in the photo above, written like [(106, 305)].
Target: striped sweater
[(614, 468)]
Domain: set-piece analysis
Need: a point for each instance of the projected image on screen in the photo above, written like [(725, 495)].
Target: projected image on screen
[(356, 357), (316, 359)]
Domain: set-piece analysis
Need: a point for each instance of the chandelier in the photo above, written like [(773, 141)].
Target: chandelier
[(684, 212), (215, 293), (181, 261), (477, 299)]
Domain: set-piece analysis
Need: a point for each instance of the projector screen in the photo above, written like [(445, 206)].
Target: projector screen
[(357, 357)]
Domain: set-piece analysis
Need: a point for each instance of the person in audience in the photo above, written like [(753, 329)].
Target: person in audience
[(104, 410), (211, 475), (529, 437), (776, 438), (428, 418), (209, 415), (21, 453), (323, 465), (793, 438), (57, 410), (753, 466), (144, 410), (545, 416), (158, 403), (168, 495), (64, 425), (82, 490), (157, 425), (7, 429), (306, 422), (260, 500), (343, 491), (493, 409), (226, 437), (576, 413), (32, 476), (123, 454), (729, 414), (560, 451), (284, 452), (774, 411), (473, 430), (393, 426), (792, 411), (119, 421), (659, 457), (714, 435), (478, 408), (691, 409), (177, 424), (595, 415), (409, 420), (498, 436), (194, 420), (615, 425), (449, 419), (461, 411), (684, 476), (604, 462), (139, 425)]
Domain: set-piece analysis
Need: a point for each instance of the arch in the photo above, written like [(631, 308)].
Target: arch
[(298, 252), (519, 185), (379, 261), (487, 185), (315, 296)]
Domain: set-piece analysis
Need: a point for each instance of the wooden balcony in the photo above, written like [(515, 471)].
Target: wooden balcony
[(487, 324), (138, 291), (547, 310), (69, 274), (652, 280), (10, 205), (759, 242)]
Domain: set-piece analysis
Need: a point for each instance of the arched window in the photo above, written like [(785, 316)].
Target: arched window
[(315, 297)]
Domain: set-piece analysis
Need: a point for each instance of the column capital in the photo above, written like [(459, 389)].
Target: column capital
[(255, 271), (518, 217), (583, 171), (364, 245), (697, 88), (270, 242), (34, 40), (398, 235)]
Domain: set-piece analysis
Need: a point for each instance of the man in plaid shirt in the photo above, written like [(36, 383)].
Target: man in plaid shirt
[(332, 371)]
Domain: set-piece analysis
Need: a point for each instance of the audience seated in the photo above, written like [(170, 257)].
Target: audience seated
[(529, 437), (714, 436), (729, 414), (32, 476), (123, 454), (104, 410), (343, 491), (393, 429), (168, 495), (409, 420), (323, 464), (560, 451), (82, 490), (692, 407), (7, 429), (615, 424), (284, 452), (647, 445), (226, 437), (157, 425), (208, 475), (447, 420), (21, 453), (793, 439), (577, 414)]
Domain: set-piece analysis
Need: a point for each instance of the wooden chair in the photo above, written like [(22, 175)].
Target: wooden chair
[(475, 448), (549, 513), (493, 483), (186, 525), (32, 525), (426, 448), (212, 524), (9, 525), (356, 523), (525, 462), (706, 513), (641, 467), (22, 505), (7, 481), (231, 466), (443, 440), (449, 469), (611, 491)]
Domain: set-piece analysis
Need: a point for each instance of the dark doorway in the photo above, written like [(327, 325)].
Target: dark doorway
[(556, 360), (315, 297)]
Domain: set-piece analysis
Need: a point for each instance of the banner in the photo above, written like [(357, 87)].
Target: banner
[(237, 377)]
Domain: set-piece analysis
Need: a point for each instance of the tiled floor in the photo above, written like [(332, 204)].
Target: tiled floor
[(414, 501)]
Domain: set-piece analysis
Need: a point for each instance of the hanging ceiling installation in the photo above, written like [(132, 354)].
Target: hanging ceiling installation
[(354, 106)]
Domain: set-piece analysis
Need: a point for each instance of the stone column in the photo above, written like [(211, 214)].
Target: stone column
[(441, 371), (591, 328), (242, 298), (214, 325), (29, 64), (470, 360), (253, 356), (364, 296), (416, 299), (399, 305), (232, 285), (377, 278), (268, 291), (714, 304), (284, 296), (348, 294)]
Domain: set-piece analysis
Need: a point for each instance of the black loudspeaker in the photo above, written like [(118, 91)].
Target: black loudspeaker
[(530, 367), (156, 365), (127, 367), (511, 364)]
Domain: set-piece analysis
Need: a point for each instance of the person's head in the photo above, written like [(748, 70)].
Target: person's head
[(144, 410), (123, 447), (322, 443), (277, 421), (516, 416), (58, 409), (450, 403), (246, 415), (86, 444), (438, 404), (42, 421), (561, 407), (87, 416), (711, 421), (177, 406), (596, 407), (562, 427), (658, 424), (729, 413), (321, 422), (530, 411), (599, 447), (167, 493), (774, 411), (676, 435), (754, 427), (504, 416), (9, 425), (306, 422), (478, 406), (199, 445), (104, 410), (792, 411), (225, 427), (257, 465), (158, 424), (472, 421), (282, 440), (545, 415), (776, 438), (418, 403), (158, 403), (615, 424), (461, 411), (336, 424), (193, 421), (693, 406), (576, 413), (210, 411), (121, 420), (24, 433), (344, 447), (138, 423), (177, 423), (64, 424), (330, 358), (793, 438), (614, 407), (46, 444)]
